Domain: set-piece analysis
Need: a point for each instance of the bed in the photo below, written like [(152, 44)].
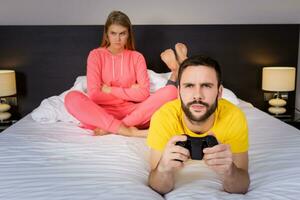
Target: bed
[(45, 155), (55, 159)]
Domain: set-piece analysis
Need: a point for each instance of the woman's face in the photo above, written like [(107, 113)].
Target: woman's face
[(117, 36)]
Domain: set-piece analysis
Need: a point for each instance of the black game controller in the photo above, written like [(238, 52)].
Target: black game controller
[(195, 145)]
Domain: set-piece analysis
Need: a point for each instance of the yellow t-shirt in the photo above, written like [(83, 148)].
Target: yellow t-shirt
[(230, 126)]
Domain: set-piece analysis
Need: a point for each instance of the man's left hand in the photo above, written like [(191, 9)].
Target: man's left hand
[(219, 158)]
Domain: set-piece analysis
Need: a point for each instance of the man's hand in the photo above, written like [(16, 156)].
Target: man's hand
[(106, 89), (219, 158), (174, 155), (163, 165)]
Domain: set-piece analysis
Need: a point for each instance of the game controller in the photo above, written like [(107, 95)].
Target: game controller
[(195, 145)]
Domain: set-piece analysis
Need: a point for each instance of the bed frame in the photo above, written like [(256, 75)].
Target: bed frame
[(47, 59)]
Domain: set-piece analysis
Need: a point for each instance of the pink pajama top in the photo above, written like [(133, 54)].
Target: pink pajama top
[(120, 72)]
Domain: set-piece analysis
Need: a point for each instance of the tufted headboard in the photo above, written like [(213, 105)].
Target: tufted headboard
[(47, 59)]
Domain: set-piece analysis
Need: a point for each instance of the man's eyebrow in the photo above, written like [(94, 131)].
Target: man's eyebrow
[(208, 83), (188, 83), (204, 83)]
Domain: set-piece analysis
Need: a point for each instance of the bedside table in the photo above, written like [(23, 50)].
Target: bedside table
[(295, 124), (289, 120), (5, 124)]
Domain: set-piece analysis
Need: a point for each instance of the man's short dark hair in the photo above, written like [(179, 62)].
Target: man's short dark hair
[(197, 61)]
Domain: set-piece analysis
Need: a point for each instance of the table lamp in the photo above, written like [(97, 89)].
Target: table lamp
[(7, 88), (278, 79)]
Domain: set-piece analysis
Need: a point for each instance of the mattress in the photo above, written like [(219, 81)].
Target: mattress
[(62, 161)]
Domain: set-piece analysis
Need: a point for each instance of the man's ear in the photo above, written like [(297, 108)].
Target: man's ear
[(220, 92)]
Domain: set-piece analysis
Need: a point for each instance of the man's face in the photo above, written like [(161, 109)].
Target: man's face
[(199, 92)]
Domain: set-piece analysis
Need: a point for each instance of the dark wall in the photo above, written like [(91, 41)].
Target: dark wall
[(47, 59)]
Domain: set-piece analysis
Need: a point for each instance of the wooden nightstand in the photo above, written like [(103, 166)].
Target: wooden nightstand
[(289, 119), (295, 124), (5, 124)]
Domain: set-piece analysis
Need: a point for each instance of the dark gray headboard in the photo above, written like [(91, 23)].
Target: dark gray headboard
[(47, 59)]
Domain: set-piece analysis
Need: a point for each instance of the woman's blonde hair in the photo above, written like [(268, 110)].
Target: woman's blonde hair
[(119, 18)]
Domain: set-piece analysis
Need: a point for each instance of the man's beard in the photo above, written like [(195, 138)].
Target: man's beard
[(194, 119)]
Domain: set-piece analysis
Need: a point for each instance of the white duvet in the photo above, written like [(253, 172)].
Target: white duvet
[(61, 161)]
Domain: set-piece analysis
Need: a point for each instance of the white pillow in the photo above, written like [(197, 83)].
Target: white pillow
[(157, 80), (230, 96)]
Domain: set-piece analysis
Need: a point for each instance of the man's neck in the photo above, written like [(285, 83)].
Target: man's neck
[(200, 127)]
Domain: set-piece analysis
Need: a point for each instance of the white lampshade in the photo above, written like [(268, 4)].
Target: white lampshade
[(7, 83), (279, 79)]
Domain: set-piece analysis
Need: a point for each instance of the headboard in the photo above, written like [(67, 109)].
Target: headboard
[(47, 59)]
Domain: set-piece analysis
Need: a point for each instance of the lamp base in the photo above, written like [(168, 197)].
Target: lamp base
[(4, 116), (4, 107), (277, 110), (277, 102)]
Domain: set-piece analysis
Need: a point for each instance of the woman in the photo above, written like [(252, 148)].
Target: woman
[(118, 85)]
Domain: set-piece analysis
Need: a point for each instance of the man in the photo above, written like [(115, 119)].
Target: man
[(198, 112)]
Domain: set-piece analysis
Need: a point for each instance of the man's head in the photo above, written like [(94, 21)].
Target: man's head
[(199, 82)]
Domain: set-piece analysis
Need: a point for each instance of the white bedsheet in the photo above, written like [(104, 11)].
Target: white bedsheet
[(274, 167), (62, 161)]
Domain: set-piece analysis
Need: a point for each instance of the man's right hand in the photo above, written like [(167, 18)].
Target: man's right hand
[(174, 155)]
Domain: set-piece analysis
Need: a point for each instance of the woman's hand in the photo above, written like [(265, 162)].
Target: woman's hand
[(106, 89), (135, 86)]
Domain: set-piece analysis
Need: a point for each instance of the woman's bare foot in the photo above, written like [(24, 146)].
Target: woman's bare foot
[(181, 52), (132, 131), (138, 132), (168, 56), (100, 132)]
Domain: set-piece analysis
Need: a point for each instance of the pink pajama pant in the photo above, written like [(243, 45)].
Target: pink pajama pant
[(110, 117)]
